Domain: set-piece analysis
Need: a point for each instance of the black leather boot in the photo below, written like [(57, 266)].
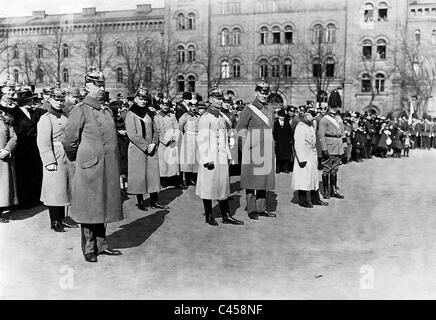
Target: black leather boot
[(333, 188), (325, 186), (225, 213), (303, 199), (208, 212), (57, 226), (316, 200)]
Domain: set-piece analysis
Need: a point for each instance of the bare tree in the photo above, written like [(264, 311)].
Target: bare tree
[(417, 72), (4, 51), (320, 62)]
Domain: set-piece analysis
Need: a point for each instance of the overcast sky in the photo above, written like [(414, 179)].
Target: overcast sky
[(16, 8)]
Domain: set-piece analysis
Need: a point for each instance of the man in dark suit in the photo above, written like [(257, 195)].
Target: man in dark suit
[(183, 106)]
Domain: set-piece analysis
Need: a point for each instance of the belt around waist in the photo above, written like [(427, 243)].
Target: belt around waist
[(332, 136)]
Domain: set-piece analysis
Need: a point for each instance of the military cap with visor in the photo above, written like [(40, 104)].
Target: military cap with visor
[(95, 76), (216, 93), (262, 87)]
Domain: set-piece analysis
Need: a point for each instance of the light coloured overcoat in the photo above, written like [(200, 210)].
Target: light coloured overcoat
[(213, 147), (55, 189), (305, 148), (143, 168), (188, 124), (8, 141), (168, 129), (90, 140)]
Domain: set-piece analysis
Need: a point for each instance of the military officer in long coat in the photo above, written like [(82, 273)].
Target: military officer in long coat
[(55, 193), (90, 140), (213, 174), (168, 150), (188, 124), (143, 161), (258, 160), (8, 143), (331, 133), (305, 174)]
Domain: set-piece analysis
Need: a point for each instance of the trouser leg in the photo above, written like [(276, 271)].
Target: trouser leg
[(207, 204), (260, 200), (154, 197), (56, 213), (251, 200), (93, 238)]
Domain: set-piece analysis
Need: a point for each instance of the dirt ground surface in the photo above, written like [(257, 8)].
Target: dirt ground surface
[(377, 243)]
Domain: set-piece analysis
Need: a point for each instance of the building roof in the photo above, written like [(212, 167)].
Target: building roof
[(78, 18)]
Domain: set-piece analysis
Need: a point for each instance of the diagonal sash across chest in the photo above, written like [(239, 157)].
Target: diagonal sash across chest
[(333, 121), (227, 119), (261, 115)]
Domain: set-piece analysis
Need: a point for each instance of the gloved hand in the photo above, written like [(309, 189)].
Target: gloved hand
[(302, 164), (325, 154), (209, 166)]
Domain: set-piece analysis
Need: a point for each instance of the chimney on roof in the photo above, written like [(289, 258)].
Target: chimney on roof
[(39, 14), (88, 11), (143, 8)]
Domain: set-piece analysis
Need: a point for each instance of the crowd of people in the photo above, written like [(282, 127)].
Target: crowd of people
[(81, 154)]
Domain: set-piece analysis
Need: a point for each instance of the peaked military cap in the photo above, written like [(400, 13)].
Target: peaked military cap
[(95, 76), (262, 86), (216, 93)]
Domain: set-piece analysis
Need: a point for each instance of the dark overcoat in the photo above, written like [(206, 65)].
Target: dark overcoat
[(258, 158), (90, 140), (283, 137)]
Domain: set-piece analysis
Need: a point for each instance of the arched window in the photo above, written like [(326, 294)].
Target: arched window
[(148, 47), (330, 68), (381, 49), (382, 11), (119, 75), (367, 49), (180, 21), (191, 53), (317, 34), (276, 35), (380, 82), (39, 75), (148, 74), (91, 50), (225, 69), (275, 68), (236, 65), (65, 75), (288, 34), (433, 37), (225, 37), (368, 12), (180, 84), (264, 35), (418, 36), (180, 54), (236, 36), (15, 52), (191, 21), (331, 33), (317, 68), (191, 83), (16, 76), (287, 68), (366, 82), (119, 48), (40, 51), (263, 68), (65, 50)]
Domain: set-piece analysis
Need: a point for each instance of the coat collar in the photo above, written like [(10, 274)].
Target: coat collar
[(214, 111), (56, 113), (258, 105), (93, 102)]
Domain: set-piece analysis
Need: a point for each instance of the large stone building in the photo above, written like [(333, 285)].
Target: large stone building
[(304, 48)]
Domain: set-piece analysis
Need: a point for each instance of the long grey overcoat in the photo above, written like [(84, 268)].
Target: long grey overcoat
[(90, 140), (8, 141)]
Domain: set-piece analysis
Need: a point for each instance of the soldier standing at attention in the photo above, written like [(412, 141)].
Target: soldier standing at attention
[(90, 140), (330, 134), (255, 126)]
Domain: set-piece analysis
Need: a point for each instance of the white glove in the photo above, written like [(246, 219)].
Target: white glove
[(4, 153)]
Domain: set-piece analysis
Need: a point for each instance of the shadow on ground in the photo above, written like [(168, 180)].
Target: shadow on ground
[(137, 232), (22, 214)]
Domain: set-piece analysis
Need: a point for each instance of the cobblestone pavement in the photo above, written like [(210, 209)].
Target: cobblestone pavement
[(377, 243)]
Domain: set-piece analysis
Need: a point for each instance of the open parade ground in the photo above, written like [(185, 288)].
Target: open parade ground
[(377, 243)]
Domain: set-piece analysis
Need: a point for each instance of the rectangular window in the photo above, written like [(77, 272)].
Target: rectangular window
[(263, 71), (236, 71), (382, 14), (317, 70), (287, 70), (288, 37), (366, 85), (368, 14), (367, 52), (427, 10), (330, 70), (380, 85), (381, 52), (275, 70), (276, 37), (263, 38)]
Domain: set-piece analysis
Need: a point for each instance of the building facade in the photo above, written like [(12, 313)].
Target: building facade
[(304, 48)]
